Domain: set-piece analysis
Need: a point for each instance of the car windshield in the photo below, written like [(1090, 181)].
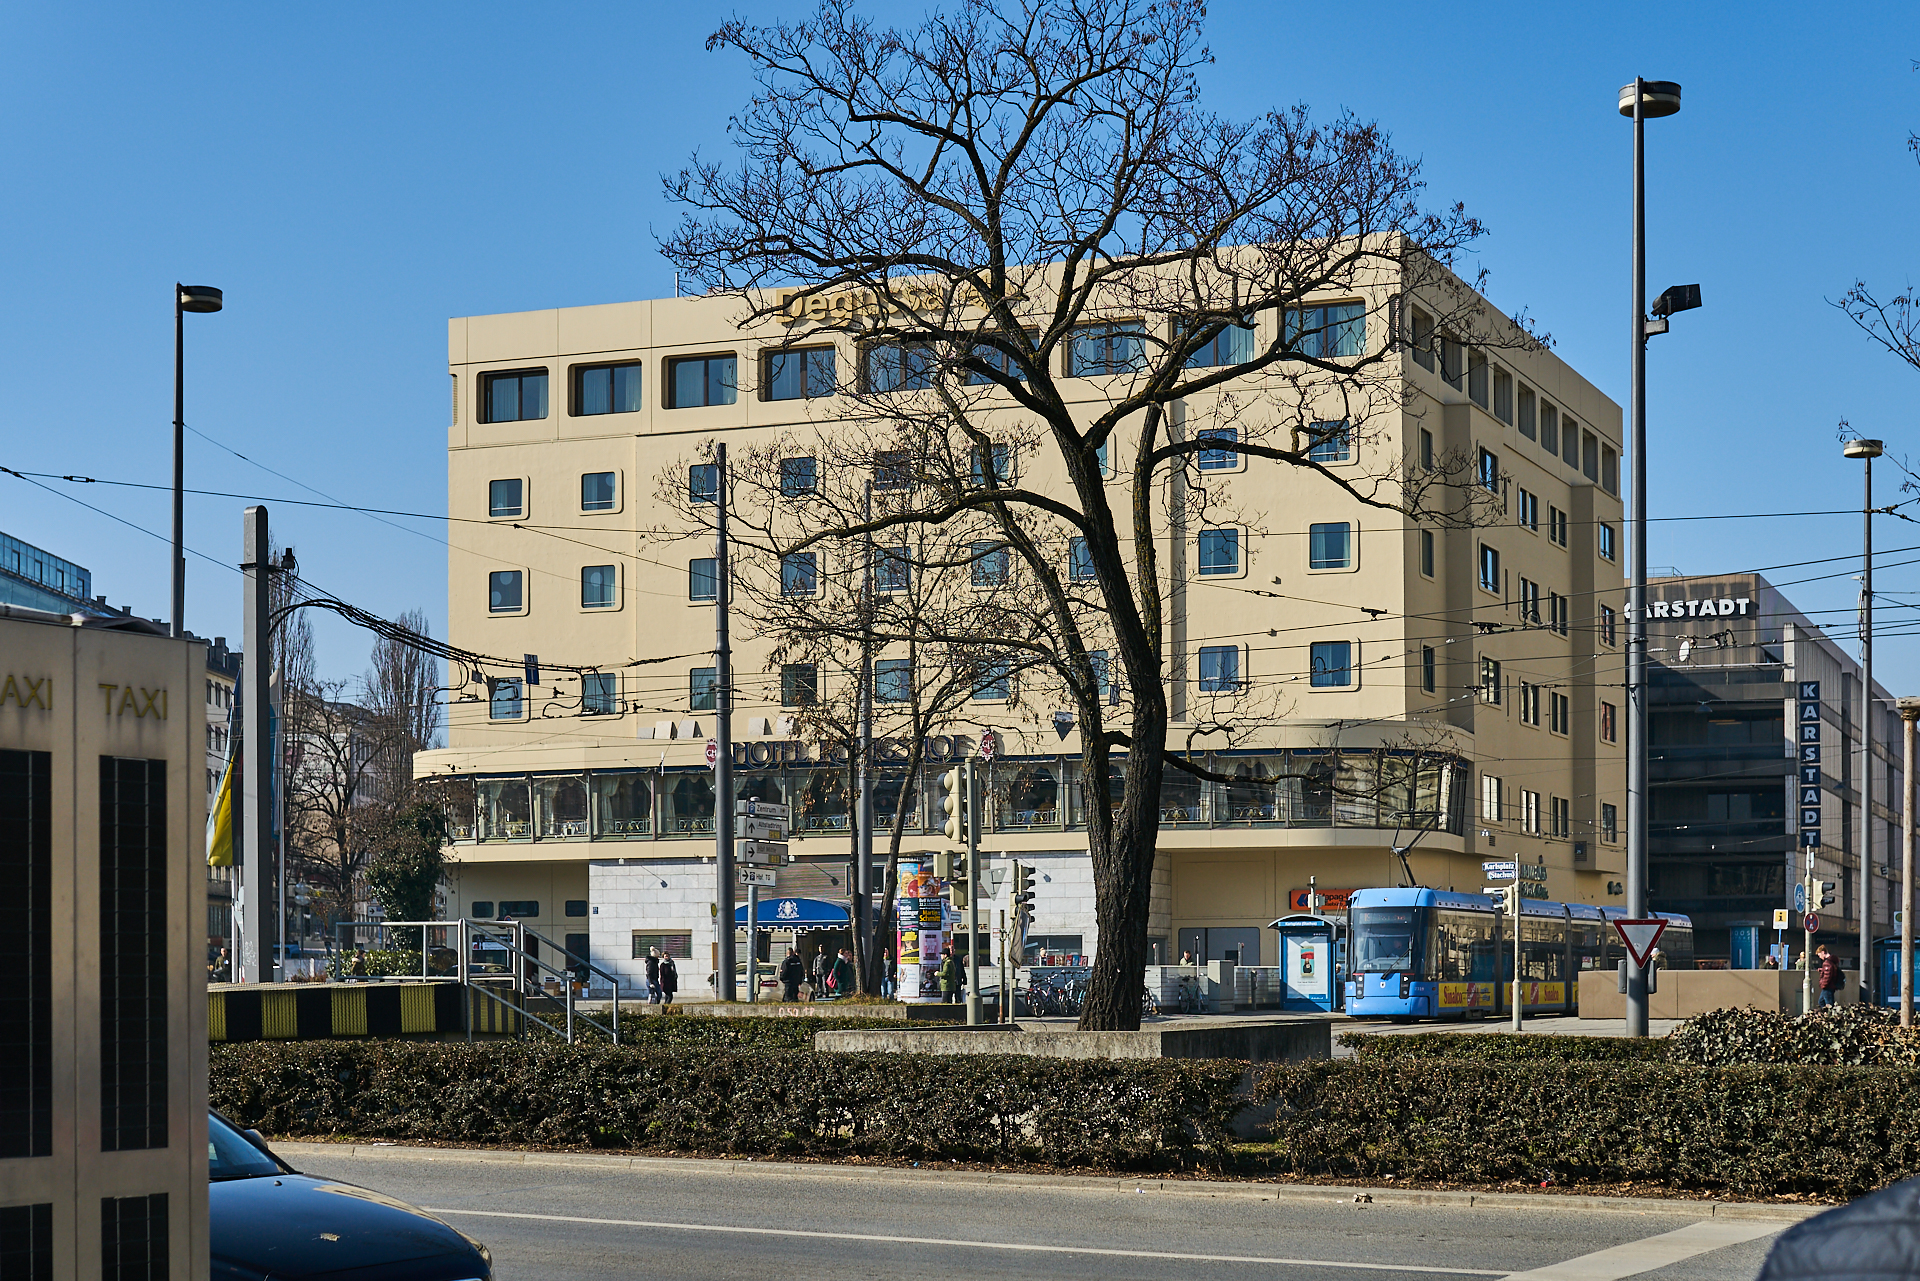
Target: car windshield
[(1385, 939), (231, 1156)]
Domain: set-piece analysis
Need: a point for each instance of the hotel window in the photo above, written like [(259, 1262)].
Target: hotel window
[(703, 689), (1107, 349), (1529, 811), (1421, 337), (798, 476), (1529, 511), (1219, 551), (1103, 685), (1215, 458), (1549, 427), (1556, 526), (1502, 395), (504, 705), (1426, 450), (703, 483), (1558, 611), (799, 685), (995, 359), (1332, 664), (1478, 383), (892, 572), (702, 380), (505, 594), (597, 693), (1562, 810), (1606, 624), (1570, 442), (1529, 695), (1002, 456), (1491, 690), (1332, 332), (515, 396), (1231, 346), (1079, 561), (1608, 550), (799, 574), (599, 492), (598, 586), (703, 579), (606, 389), (893, 469), (1609, 469), (1609, 725), (893, 680), (993, 683), (1491, 810), (1219, 669), (1529, 597), (1429, 661), (507, 497), (799, 375), (1488, 471), (1524, 418), (1329, 546), (1426, 552), (898, 367), (1609, 822), (1489, 570), (1558, 715), (1330, 442), (992, 564), (1590, 455)]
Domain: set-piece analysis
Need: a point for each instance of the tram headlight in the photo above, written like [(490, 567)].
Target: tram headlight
[(1406, 987)]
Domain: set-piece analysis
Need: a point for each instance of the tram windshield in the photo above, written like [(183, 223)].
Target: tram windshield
[(1386, 940)]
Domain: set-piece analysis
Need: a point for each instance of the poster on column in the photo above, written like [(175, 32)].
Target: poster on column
[(919, 942)]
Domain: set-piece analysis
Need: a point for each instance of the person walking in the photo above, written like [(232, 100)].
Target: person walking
[(653, 976), (791, 972), (1831, 976), (817, 974), (950, 978), (840, 981), (669, 981)]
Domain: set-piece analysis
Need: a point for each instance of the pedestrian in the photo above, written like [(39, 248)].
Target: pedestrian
[(359, 967), (669, 981), (791, 972), (889, 975), (840, 981), (653, 976), (1831, 976), (950, 978), (817, 973)]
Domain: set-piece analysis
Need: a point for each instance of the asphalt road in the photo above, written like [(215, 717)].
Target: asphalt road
[(699, 1219)]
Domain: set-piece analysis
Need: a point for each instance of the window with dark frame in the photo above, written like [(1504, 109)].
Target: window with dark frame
[(893, 680), (1233, 345), (599, 586), (1556, 526), (504, 591), (1331, 331), (1570, 441), (1219, 551), (1488, 471), (1329, 545), (599, 491), (693, 381), (1528, 510), (1117, 348), (1001, 362), (1609, 822), (993, 682), (1524, 416), (1549, 427), (892, 571), (1217, 457), (1426, 552), (599, 693), (1426, 450), (799, 476), (802, 374), (1608, 723), (1331, 664), (1489, 570), (799, 685), (703, 578), (506, 497), (703, 686), (893, 469), (898, 367), (1559, 712), (1491, 689), (515, 395), (1479, 384), (1002, 464), (1219, 669), (606, 389), (1079, 560), (799, 574), (1429, 662), (503, 703), (1606, 624), (992, 564), (1329, 442), (1502, 395), (1421, 337), (703, 483)]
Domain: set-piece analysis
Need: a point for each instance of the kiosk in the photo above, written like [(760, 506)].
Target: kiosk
[(1312, 962)]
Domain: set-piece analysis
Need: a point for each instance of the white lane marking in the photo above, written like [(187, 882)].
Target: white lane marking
[(1654, 1252), (983, 1245)]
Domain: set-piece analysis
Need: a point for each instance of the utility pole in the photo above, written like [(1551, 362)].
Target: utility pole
[(863, 940), (256, 774), (1513, 916), (1866, 450), (724, 987), (973, 893), (1909, 712)]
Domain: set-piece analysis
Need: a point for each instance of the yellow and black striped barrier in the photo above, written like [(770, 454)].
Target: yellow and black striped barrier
[(320, 1011)]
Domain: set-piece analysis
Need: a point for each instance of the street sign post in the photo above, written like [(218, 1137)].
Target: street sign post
[(760, 829), (762, 809), (1813, 922), (1641, 936), (758, 876), (1501, 871), (763, 853), (1800, 898), (1782, 918)]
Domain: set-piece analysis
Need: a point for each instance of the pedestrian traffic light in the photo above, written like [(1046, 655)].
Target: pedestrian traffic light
[(943, 864), (957, 882), (1826, 893), (953, 801)]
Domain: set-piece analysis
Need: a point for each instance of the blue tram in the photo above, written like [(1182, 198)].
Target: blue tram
[(1421, 953)]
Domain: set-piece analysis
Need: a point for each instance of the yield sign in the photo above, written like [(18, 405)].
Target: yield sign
[(1640, 937)]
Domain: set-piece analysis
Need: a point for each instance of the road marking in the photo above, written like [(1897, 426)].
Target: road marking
[(1653, 1252), (1017, 1246)]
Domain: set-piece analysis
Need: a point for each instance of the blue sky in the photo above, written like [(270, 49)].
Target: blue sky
[(352, 175)]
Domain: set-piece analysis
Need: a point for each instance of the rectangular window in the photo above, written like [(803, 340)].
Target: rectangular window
[(1529, 695), (1107, 349), (133, 1237), (1329, 442), (703, 578), (1606, 624), (1491, 689), (703, 686), (1502, 395), (799, 574), (597, 586), (1332, 664), (1562, 816), (606, 389), (1453, 361), (1609, 469), (26, 947), (1570, 441), (1231, 346), (1215, 458), (504, 594), (598, 492), (1529, 811), (1479, 385), (678, 946), (1426, 552), (1219, 551), (1421, 338), (1489, 570), (892, 572), (893, 469), (799, 685), (1558, 712), (1002, 464), (1429, 662), (798, 476), (1219, 669), (1491, 810), (1333, 332), (992, 564), (702, 380), (1608, 550), (799, 375), (1529, 511), (1426, 450), (1524, 418), (515, 396), (506, 497), (597, 693), (1609, 727), (1549, 427), (504, 704), (1488, 471), (519, 909), (1609, 822), (1079, 560), (892, 680), (1556, 526), (1529, 600), (1559, 612), (1102, 675), (993, 683), (703, 483), (995, 359), (1329, 546), (898, 367), (1590, 455)]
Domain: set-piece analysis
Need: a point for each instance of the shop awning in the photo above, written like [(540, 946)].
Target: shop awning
[(796, 914)]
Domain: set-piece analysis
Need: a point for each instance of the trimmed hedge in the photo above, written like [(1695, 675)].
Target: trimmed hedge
[(1754, 1130), (705, 1031), (1857, 1035), (1138, 1114), (1503, 1047)]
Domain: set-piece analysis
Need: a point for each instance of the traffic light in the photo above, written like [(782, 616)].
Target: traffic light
[(1510, 899), (1021, 896), (953, 801), (1826, 893), (957, 881)]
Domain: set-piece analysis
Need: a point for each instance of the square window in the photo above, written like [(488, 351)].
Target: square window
[(1332, 664), (504, 592), (504, 703), (993, 682), (703, 685), (597, 691), (1107, 349), (703, 483), (893, 469), (1219, 669), (703, 579), (992, 564), (514, 396), (1608, 551), (892, 680), (1330, 442), (598, 584), (1002, 464), (1233, 345), (606, 389), (800, 375), (1429, 663), (1079, 560), (892, 572), (799, 574), (1219, 551), (1334, 332), (702, 380), (1214, 458), (799, 685), (798, 476), (899, 367), (1426, 552), (1489, 570), (506, 497), (1329, 546), (598, 491)]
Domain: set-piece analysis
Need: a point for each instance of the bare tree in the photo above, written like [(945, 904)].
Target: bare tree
[(402, 691), (335, 754), (1893, 322), (1005, 193)]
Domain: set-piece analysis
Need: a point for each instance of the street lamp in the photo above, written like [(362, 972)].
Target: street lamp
[(1867, 451), (186, 298), (1641, 101)]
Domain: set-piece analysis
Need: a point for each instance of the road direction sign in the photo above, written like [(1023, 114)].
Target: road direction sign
[(762, 809), (1799, 898), (760, 829), (758, 876), (1501, 871), (1813, 922), (1640, 936), (713, 753), (774, 852)]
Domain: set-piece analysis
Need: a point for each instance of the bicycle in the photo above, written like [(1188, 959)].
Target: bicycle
[(1192, 999)]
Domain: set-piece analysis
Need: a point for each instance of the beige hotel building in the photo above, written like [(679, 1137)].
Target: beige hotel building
[(1499, 647)]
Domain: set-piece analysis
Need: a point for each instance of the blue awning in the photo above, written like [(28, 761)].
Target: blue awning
[(796, 914)]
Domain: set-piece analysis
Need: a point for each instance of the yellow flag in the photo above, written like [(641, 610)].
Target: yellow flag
[(220, 822)]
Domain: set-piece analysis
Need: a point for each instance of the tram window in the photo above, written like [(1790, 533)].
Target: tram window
[(1463, 946), (1543, 949), (1384, 939)]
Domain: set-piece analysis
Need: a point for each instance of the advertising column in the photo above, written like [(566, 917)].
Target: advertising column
[(922, 941)]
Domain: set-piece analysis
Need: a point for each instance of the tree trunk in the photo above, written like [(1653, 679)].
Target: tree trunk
[(1122, 854)]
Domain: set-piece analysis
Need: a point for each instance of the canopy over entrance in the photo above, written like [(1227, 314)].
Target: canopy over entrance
[(796, 914)]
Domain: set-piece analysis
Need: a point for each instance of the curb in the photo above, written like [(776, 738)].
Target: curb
[(1234, 1189)]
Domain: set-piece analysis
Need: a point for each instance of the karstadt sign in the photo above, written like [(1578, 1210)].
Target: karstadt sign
[(1703, 607)]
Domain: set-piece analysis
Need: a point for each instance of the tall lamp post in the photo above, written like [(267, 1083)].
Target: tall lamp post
[(1909, 709), (186, 298), (1867, 451), (1641, 101)]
